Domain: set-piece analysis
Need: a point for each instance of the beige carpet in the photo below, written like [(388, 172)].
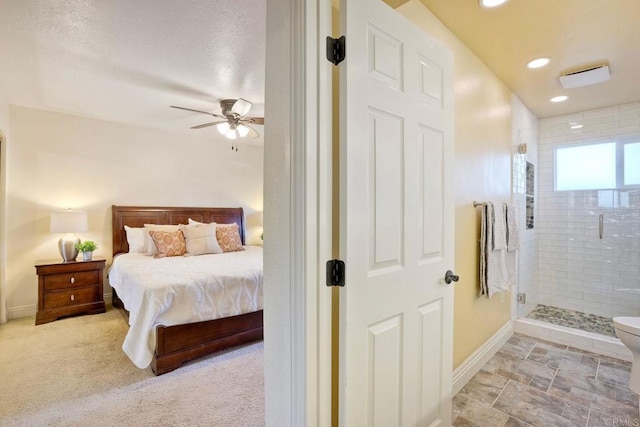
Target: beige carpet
[(73, 372)]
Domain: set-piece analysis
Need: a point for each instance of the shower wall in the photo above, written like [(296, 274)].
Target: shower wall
[(577, 269), (524, 128)]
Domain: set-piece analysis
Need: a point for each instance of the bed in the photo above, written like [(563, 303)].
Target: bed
[(176, 344)]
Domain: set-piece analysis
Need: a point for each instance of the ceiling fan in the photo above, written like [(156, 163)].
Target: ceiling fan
[(235, 123)]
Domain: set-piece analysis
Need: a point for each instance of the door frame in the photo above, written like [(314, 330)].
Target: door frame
[(3, 216), (297, 210)]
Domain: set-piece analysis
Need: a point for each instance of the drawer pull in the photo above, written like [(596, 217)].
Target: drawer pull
[(73, 297), (73, 280)]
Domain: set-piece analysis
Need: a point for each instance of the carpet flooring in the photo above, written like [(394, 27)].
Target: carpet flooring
[(72, 372)]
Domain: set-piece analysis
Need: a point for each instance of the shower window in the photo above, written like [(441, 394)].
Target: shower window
[(632, 163), (597, 166)]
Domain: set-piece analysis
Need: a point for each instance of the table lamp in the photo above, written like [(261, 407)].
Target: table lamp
[(68, 222)]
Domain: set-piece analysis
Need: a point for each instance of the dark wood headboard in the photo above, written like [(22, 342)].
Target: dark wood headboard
[(137, 216)]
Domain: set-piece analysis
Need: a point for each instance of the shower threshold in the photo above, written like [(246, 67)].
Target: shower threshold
[(574, 319), (564, 331)]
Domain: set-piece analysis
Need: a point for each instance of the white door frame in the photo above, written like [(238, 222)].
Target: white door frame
[(3, 227), (297, 214)]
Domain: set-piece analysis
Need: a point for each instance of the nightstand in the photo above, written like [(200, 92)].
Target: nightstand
[(69, 288)]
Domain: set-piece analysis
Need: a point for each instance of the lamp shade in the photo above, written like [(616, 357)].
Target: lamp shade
[(69, 222)]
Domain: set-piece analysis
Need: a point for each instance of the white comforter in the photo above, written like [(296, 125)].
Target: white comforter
[(176, 290)]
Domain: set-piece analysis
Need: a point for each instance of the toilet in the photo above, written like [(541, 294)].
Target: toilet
[(628, 330)]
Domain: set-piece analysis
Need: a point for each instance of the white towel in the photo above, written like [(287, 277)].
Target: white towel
[(497, 267), (499, 227), (513, 234)]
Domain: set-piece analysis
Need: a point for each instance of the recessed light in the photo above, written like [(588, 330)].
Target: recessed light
[(491, 3), (538, 62), (559, 98)]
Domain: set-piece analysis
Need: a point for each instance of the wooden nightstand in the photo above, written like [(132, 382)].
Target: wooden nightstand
[(68, 288)]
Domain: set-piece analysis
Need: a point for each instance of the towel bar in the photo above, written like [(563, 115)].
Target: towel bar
[(476, 204)]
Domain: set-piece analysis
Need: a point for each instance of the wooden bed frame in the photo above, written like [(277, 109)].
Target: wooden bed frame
[(178, 344)]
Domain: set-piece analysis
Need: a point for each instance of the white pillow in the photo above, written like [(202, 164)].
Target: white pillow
[(149, 245), (135, 238), (201, 239)]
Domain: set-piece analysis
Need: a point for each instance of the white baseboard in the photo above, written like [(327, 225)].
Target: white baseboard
[(481, 356), (24, 311)]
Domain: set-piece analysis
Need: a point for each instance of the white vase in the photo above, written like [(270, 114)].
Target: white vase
[(86, 256)]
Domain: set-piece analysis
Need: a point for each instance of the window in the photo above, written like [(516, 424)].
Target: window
[(605, 165), (632, 163)]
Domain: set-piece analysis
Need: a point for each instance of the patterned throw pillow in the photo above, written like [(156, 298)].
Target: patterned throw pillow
[(169, 243), (229, 238)]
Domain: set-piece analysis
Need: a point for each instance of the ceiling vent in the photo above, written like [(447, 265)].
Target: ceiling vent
[(585, 77)]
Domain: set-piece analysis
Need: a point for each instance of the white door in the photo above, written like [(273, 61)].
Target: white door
[(396, 221)]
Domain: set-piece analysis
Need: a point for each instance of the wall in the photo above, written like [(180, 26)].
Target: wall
[(525, 131), (482, 172), (4, 133), (577, 270), (60, 161)]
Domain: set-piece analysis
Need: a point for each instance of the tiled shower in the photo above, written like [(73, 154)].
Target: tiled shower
[(582, 266), (583, 252)]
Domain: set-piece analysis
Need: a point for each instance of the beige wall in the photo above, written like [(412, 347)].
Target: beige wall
[(58, 161), (4, 133), (482, 172)]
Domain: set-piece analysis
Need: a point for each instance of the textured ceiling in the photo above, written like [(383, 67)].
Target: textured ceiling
[(127, 61), (573, 33)]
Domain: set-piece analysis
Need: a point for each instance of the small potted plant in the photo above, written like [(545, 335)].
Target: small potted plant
[(87, 247)]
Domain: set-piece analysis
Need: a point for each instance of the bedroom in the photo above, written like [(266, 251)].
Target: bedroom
[(488, 157)]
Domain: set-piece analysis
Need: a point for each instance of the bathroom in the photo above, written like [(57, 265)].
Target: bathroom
[(576, 182)]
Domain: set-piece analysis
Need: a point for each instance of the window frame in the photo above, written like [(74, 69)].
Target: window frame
[(619, 142)]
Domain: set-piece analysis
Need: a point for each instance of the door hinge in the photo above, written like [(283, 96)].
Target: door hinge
[(335, 272), (336, 49)]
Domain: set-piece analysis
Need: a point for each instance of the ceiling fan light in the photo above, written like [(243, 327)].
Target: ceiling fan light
[(232, 134), (242, 130), (223, 127)]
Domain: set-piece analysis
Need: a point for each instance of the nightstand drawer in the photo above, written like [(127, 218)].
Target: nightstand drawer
[(72, 297), (70, 280)]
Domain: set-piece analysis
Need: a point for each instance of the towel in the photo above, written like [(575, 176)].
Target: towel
[(513, 234), (497, 266), (499, 228)]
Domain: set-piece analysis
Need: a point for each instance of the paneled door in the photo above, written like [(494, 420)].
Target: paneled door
[(396, 221)]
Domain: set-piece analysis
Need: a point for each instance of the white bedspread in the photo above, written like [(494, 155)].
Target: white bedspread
[(175, 290)]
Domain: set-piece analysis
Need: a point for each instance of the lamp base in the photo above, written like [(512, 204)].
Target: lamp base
[(67, 246)]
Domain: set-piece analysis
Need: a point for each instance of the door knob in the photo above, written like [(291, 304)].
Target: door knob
[(450, 277)]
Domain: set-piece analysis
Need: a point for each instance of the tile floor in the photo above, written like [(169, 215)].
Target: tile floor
[(531, 382)]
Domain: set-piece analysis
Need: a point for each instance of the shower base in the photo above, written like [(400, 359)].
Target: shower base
[(573, 319), (573, 329)]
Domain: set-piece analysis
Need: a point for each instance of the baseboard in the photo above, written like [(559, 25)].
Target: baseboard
[(24, 311), (481, 356)]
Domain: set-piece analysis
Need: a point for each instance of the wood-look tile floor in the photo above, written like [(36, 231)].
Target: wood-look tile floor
[(531, 382)]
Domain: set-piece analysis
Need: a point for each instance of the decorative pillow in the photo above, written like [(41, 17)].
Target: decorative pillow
[(201, 239), (135, 238), (169, 243), (229, 237), (149, 245)]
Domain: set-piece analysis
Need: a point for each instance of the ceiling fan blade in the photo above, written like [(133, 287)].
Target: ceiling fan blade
[(205, 125), (252, 132), (241, 107), (254, 120), (196, 111)]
